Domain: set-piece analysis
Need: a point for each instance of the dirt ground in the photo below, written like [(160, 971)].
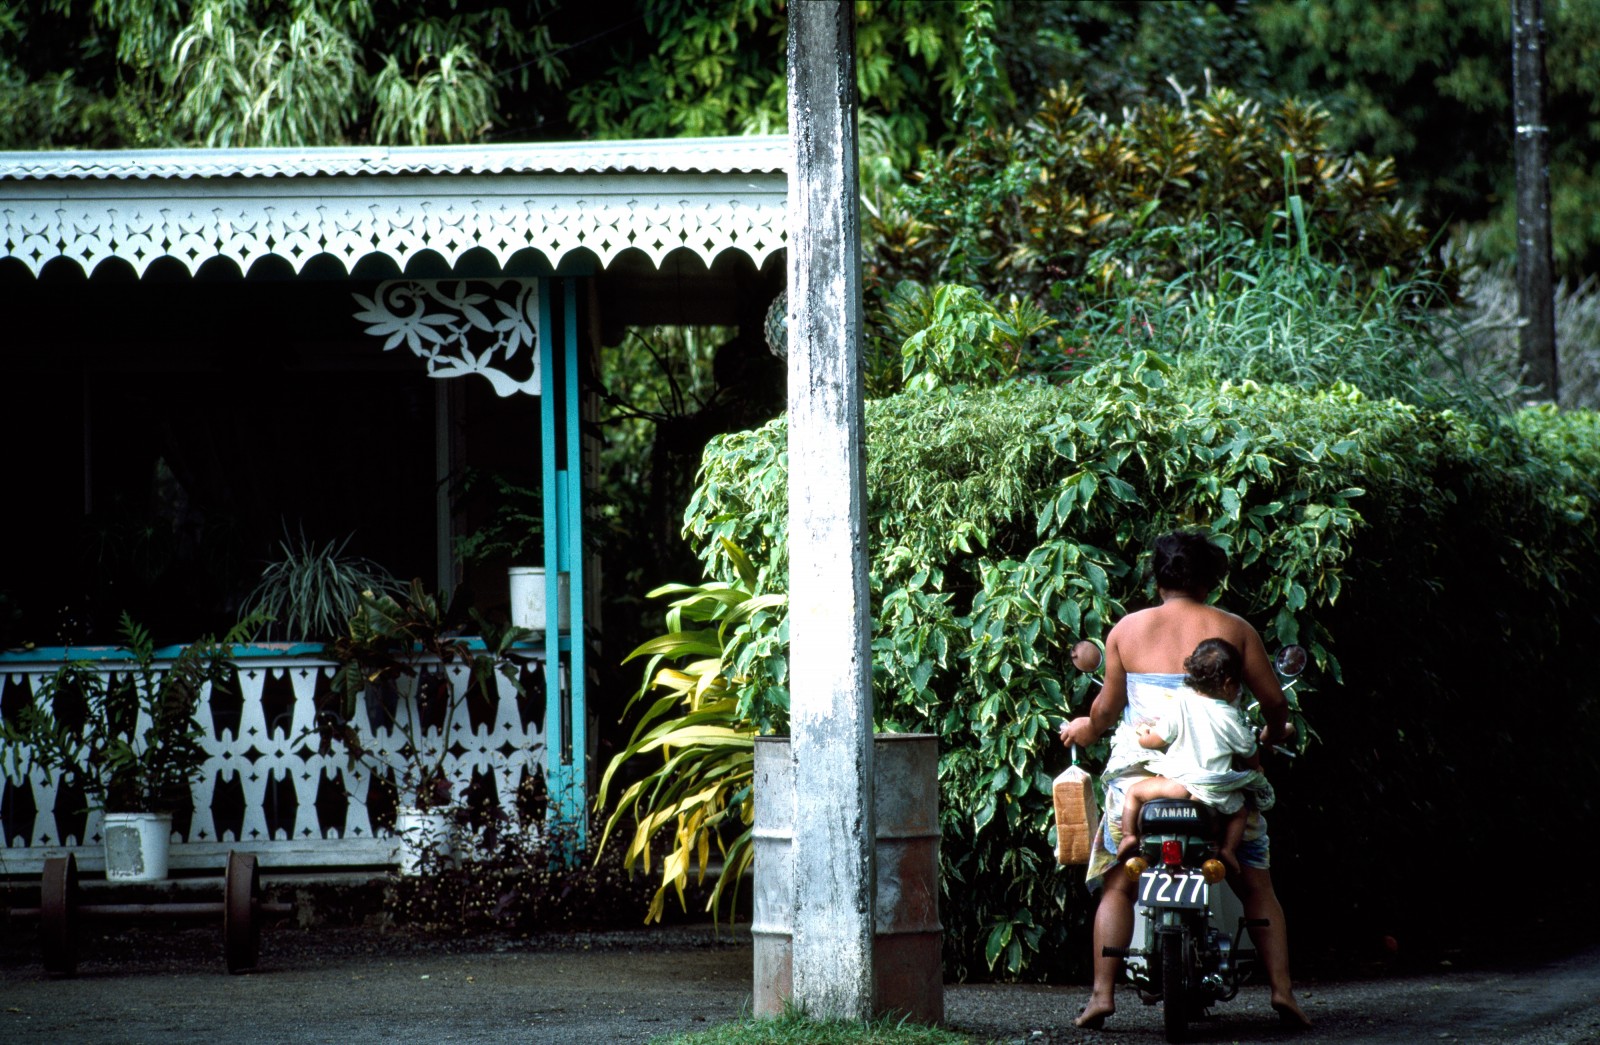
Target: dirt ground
[(166, 986)]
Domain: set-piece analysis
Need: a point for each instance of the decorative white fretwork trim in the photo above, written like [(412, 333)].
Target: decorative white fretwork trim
[(244, 229), (350, 205), (461, 327)]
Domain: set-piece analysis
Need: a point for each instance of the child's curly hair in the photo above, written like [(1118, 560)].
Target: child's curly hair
[(1214, 667)]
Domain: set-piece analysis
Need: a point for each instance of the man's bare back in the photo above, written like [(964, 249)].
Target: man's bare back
[(1156, 640)]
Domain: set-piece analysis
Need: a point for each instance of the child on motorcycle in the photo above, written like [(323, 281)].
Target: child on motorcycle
[(1208, 750)]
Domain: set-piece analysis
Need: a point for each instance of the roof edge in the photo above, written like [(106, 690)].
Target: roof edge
[(723, 155)]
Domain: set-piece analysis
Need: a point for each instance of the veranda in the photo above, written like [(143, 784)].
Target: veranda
[(281, 276)]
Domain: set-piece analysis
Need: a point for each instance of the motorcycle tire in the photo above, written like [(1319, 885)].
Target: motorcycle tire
[(1174, 985)]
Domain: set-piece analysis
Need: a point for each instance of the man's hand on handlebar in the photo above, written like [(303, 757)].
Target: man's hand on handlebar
[(1079, 731), (1283, 737)]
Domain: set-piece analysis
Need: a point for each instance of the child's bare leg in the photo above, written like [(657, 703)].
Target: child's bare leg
[(1232, 835), (1131, 803), (1135, 798)]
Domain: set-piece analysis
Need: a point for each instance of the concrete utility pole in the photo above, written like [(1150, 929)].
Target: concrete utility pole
[(1536, 310), (830, 665)]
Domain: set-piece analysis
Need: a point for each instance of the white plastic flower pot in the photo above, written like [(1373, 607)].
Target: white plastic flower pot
[(420, 833), (136, 846), (528, 608)]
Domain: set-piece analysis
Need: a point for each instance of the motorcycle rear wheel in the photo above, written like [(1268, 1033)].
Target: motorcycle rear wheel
[(1174, 985)]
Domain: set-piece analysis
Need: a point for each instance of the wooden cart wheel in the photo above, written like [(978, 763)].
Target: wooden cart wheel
[(241, 913), (58, 915)]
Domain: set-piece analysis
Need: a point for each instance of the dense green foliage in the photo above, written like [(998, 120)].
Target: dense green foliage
[(1023, 209), (120, 73), (701, 69), (1427, 83), (1430, 84), (1007, 522), (148, 73), (1183, 223)]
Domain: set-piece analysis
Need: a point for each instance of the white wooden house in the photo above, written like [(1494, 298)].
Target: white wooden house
[(274, 314)]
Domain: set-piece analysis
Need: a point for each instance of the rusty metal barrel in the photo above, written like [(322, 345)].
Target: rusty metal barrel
[(907, 950)]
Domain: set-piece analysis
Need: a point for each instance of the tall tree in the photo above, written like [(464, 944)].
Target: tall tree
[(1536, 295), (127, 73), (1429, 83)]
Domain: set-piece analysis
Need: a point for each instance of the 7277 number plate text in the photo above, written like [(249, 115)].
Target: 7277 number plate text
[(1185, 890)]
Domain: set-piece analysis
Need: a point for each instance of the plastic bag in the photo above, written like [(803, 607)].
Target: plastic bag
[(1077, 816)]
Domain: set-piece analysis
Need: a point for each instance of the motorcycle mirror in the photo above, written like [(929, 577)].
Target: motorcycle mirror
[(1291, 660), (1085, 655)]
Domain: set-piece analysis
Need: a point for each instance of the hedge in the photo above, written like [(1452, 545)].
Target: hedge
[(1436, 565)]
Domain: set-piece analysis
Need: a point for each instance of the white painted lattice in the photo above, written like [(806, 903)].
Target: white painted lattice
[(266, 789), (354, 219)]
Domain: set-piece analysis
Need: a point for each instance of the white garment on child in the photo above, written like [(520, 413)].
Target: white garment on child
[(1203, 736)]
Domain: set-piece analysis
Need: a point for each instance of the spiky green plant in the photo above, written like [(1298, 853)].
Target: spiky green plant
[(313, 590)]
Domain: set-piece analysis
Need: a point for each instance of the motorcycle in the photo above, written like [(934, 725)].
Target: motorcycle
[(1184, 958)]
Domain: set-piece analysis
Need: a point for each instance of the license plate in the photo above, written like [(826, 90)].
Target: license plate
[(1183, 890)]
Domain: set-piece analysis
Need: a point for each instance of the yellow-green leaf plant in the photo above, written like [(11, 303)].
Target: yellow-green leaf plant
[(699, 795)]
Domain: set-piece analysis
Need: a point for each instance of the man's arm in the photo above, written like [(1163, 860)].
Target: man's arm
[(1263, 682), (1108, 703)]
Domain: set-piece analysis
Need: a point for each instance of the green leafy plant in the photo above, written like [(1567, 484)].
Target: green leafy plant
[(964, 339), (313, 590), (244, 84), (1276, 309), (1020, 209), (515, 532), (411, 637), (1007, 522), (454, 102), (125, 733), (704, 727)]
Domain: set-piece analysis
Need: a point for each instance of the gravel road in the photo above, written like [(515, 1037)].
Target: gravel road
[(165, 986)]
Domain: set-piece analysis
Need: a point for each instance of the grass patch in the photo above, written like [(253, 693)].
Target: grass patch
[(792, 1028)]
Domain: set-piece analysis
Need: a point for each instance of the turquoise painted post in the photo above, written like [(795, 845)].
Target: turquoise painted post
[(575, 795), (566, 745)]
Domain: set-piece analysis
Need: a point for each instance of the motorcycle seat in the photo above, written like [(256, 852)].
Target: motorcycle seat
[(1177, 816)]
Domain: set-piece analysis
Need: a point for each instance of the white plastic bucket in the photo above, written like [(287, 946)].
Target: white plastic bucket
[(420, 833), (136, 846), (528, 598)]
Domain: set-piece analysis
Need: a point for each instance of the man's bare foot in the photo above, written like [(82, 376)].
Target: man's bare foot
[(1094, 1014), (1289, 1013), (1129, 846)]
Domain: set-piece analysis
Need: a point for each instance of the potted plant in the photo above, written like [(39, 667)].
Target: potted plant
[(513, 535), (311, 591), (128, 736), (389, 639)]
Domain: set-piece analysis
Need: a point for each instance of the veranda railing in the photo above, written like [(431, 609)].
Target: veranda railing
[(265, 786)]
